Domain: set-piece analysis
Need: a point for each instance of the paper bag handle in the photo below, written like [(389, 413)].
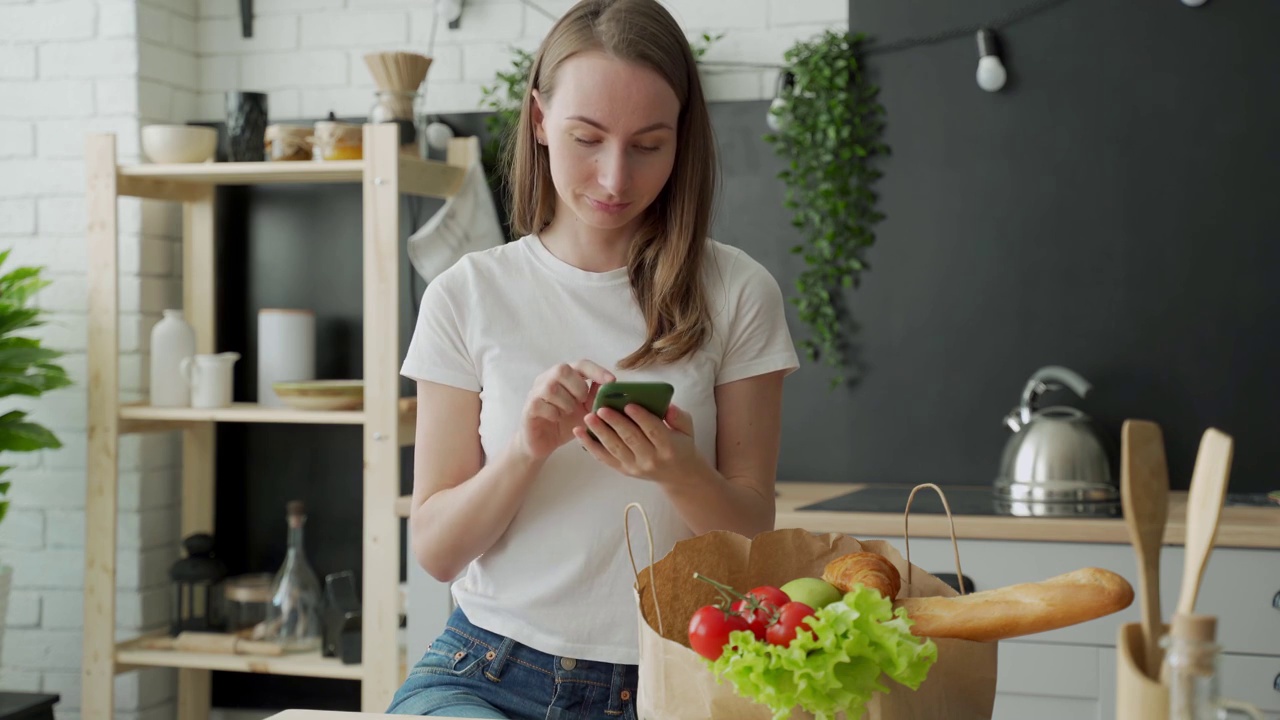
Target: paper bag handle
[(906, 531), (648, 532)]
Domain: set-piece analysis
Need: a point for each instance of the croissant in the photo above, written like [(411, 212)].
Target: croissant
[(869, 569)]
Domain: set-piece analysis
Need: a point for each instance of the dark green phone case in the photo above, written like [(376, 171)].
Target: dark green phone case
[(652, 396)]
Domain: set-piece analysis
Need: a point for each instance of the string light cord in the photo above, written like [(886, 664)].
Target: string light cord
[(435, 19), (541, 10), (1009, 19)]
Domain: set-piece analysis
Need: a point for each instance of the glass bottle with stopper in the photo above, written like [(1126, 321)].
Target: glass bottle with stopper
[(1191, 670), (294, 614)]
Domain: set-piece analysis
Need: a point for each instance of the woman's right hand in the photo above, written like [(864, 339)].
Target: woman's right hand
[(560, 397)]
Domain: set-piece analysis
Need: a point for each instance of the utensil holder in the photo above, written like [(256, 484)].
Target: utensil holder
[(1138, 697)]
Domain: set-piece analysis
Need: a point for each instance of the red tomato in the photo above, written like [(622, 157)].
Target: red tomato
[(791, 616), (709, 630), (771, 594), (760, 607)]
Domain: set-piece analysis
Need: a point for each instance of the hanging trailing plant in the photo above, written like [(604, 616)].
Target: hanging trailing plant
[(503, 97), (829, 130)]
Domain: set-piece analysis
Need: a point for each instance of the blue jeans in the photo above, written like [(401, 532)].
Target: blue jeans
[(468, 672)]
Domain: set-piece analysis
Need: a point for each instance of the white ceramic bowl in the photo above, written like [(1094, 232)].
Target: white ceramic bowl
[(179, 143)]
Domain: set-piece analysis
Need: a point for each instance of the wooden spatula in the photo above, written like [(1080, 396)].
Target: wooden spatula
[(1144, 495), (1204, 507)]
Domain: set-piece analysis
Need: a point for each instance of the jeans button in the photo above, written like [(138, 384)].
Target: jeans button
[(568, 663)]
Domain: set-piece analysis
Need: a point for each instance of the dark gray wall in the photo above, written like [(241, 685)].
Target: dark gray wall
[(1109, 211)]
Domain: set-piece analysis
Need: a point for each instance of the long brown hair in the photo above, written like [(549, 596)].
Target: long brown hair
[(666, 256)]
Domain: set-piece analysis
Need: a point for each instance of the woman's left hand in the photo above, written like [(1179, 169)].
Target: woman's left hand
[(641, 445)]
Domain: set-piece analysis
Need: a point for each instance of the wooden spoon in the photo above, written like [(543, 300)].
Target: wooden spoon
[(1144, 494), (1204, 507)]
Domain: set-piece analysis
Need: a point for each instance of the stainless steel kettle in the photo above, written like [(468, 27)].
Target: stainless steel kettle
[(1055, 454)]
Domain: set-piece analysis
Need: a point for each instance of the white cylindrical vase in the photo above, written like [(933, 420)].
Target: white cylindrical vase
[(286, 350), (172, 339)]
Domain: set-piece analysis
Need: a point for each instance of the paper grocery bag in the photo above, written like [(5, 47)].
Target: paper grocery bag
[(676, 684)]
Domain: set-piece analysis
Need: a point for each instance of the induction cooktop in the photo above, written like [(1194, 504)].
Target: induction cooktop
[(964, 500)]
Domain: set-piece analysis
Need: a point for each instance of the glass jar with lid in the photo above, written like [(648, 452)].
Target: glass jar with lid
[(404, 108), (288, 142), (392, 105), (335, 140), (246, 599)]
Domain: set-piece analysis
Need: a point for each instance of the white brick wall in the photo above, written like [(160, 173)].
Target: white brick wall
[(307, 54), (67, 68)]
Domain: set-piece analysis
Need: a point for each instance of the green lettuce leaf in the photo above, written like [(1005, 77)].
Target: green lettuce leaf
[(835, 668)]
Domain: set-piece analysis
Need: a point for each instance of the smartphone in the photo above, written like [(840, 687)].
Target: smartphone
[(652, 396)]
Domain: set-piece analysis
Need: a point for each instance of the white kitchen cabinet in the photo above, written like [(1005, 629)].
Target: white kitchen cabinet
[(1031, 682), (1066, 672), (1043, 707)]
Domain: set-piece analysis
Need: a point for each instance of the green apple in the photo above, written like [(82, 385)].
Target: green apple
[(814, 592)]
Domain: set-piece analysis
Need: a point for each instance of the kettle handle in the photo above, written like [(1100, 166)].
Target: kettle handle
[(1050, 377)]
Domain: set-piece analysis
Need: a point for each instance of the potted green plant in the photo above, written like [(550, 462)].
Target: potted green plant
[(829, 132), (27, 370)]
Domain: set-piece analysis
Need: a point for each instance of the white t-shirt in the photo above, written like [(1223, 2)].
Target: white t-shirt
[(559, 580)]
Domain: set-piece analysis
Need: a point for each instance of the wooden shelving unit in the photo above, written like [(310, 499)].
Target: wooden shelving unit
[(143, 418), (386, 418), (300, 665)]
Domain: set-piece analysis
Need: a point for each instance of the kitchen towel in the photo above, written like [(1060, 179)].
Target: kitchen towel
[(467, 222)]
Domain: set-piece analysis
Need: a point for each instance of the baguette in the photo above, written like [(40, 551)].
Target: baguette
[(1024, 609)]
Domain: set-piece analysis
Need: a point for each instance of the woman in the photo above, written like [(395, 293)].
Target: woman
[(519, 489)]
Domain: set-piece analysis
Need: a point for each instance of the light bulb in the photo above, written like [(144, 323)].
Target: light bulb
[(991, 73), (439, 135), (779, 110), (776, 118), (1193, 3), (449, 10)]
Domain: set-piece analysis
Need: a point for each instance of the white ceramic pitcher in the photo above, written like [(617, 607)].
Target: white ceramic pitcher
[(209, 377)]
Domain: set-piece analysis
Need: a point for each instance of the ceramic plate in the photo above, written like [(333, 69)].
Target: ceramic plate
[(321, 394)]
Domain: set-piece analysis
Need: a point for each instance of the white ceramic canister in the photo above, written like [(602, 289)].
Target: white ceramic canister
[(172, 339), (286, 350)]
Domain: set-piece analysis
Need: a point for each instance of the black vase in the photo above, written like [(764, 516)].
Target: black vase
[(246, 126)]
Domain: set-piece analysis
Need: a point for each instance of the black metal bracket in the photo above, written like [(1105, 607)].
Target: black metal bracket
[(455, 24), (954, 581), (246, 18)]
